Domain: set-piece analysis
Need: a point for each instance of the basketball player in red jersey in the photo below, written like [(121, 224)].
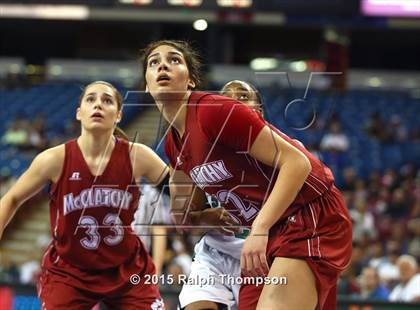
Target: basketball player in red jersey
[(245, 93), (300, 227), (93, 199)]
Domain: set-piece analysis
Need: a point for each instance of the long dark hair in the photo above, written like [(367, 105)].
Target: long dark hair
[(191, 57)]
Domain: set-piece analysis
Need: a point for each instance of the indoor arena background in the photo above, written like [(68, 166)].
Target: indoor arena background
[(341, 76)]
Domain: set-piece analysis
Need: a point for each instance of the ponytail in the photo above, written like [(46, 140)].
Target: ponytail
[(119, 133)]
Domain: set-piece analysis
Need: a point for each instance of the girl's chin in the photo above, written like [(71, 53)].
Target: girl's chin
[(168, 94), (96, 127)]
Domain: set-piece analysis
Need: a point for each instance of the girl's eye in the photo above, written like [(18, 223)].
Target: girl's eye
[(153, 62), (89, 99), (243, 97), (108, 101), (176, 60)]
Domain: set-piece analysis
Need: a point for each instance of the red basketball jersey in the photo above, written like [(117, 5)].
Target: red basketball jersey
[(214, 151), (91, 216)]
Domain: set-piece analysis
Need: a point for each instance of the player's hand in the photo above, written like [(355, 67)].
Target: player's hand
[(253, 257), (219, 218)]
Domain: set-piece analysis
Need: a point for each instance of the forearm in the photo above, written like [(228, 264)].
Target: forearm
[(8, 209), (159, 247), (290, 180), (189, 217)]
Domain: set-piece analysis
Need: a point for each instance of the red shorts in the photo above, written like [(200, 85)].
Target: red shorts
[(63, 286), (321, 234)]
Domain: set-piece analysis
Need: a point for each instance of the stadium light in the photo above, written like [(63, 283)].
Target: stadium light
[(298, 66), (38, 11), (235, 3), (263, 64), (185, 2), (137, 2), (200, 25), (374, 82)]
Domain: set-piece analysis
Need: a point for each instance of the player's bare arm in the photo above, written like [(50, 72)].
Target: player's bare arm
[(186, 198), (294, 168), (44, 168), (187, 206), (147, 164)]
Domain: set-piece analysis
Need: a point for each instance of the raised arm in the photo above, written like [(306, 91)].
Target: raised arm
[(45, 167)]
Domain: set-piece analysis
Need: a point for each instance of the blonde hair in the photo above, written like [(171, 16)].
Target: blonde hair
[(409, 260)]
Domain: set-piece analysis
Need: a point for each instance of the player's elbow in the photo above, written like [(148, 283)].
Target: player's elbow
[(302, 165), (10, 202)]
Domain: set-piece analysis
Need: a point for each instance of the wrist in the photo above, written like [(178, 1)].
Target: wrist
[(259, 226)]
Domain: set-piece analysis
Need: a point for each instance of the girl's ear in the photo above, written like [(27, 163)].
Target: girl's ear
[(78, 117), (119, 117), (191, 84)]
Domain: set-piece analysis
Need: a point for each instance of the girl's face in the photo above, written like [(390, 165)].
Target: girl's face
[(99, 108), (167, 73), (242, 92)]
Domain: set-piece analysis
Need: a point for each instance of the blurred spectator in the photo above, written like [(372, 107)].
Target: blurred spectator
[(361, 191), (16, 134), (379, 203), (384, 132), (335, 140), (40, 123), (347, 284), (376, 252), (398, 206), (408, 289), (30, 271), (359, 258), (398, 131), (376, 127), (349, 179), (371, 287), (9, 273), (414, 243), (389, 179), (26, 135), (363, 221), (182, 257), (388, 269), (176, 272), (152, 212), (37, 134), (399, 234)]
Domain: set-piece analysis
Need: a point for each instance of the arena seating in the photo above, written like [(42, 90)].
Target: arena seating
[(353, 108), (58, 102)]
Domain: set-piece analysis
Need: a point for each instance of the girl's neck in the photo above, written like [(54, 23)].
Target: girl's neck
[(94, 146), (175, 112)]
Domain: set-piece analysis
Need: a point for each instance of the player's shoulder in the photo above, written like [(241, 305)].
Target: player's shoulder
[(53, 155), (211, 98), (49, 162), (211, 103), (140, 152), (137, 146)]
